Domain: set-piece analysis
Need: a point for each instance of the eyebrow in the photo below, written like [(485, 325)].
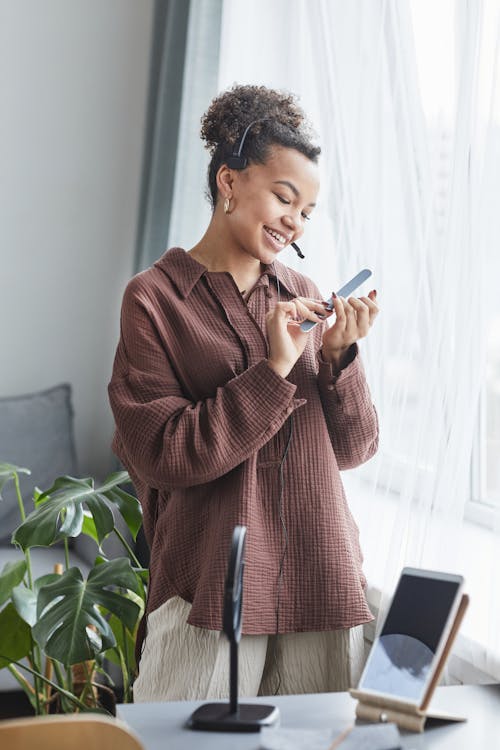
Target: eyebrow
[(292, 188)]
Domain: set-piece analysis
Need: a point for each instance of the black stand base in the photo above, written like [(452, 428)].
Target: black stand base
[(249, 717)]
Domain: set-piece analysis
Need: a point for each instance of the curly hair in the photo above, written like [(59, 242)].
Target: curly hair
[(281, 122)]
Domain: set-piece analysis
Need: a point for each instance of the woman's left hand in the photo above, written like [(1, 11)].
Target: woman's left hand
[(354, 318)]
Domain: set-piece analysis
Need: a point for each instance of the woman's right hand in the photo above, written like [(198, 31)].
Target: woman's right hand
[(286, 339)]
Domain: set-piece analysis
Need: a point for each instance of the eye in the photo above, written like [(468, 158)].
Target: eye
[(282, 200), (305, 216)]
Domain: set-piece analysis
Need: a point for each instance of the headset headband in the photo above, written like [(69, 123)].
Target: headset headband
[(236, 160)]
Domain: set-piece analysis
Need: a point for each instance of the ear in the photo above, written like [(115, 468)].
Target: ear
[(225, 180)]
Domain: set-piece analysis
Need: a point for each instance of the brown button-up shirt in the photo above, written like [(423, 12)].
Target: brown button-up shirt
[(202, 425)]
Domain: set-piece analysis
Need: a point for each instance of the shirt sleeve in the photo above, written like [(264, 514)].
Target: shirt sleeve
[(169, 441), (350, 414)]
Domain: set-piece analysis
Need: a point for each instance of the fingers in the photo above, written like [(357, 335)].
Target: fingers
[(299, 309), (371, 303), (355, 315), (360, 316), (286, 310), (319, 309), (308, 309)]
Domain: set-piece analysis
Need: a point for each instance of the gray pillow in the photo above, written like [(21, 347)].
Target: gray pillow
[(36, 432)]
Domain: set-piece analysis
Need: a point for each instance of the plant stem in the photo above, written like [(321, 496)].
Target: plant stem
[(23, 518), (123, 667), (63, 685), (49, 669), (126, 676), (26, 686), (66, 553), (63, 691), (36, 661), (127, 547), (59, 674), (19, 497), (88, 689), (69, 679)]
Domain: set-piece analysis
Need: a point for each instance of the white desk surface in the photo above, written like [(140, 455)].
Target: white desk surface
[(161, 725)]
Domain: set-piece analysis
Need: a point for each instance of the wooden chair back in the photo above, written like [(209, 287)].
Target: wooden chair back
[(67, 732)]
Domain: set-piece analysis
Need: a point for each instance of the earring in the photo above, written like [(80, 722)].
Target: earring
[(226, 205)]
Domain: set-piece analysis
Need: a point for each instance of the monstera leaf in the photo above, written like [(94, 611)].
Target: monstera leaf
[(59, 512), (8, 471), (25, 599), (15, 636), (125, 642), (67, 607), (12, 574)]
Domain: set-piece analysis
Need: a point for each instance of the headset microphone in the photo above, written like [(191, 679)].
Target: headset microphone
[(297, 250)]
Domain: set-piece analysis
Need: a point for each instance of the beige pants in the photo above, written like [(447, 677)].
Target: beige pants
[(182, 662)]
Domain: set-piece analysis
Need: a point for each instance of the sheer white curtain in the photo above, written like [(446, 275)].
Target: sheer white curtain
[(405, 98), (190, 210)]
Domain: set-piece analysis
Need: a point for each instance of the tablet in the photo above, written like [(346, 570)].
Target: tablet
[(405, 655)]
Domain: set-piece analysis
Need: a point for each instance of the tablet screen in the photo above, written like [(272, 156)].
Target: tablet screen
[(402, 658)]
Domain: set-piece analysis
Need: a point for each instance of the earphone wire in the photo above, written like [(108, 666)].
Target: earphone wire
[(277, 282), (285, 547), (282, 522)]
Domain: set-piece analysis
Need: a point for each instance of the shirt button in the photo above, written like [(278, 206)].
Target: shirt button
[(330, 387)]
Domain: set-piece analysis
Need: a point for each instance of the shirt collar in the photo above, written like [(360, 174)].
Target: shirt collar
[(283, 275), (184, 271)]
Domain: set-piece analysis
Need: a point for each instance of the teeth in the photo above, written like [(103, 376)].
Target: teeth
[(276, 235)]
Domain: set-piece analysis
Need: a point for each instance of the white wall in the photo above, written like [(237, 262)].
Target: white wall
[(73, 89)]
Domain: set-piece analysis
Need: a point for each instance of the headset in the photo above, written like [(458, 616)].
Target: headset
[(236, 160)]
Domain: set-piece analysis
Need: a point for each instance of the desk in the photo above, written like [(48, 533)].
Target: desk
[(160, 725)]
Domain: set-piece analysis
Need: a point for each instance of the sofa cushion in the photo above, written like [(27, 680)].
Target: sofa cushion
[(36, 432)]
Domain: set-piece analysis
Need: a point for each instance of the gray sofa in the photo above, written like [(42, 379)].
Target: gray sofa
[(36, 432)]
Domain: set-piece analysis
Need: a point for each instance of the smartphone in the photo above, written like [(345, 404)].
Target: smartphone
[(344, 291), (405, 655)]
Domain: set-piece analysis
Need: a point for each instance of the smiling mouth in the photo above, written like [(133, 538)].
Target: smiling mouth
[(278, 238)]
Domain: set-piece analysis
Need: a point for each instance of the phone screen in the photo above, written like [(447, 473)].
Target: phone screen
[(401, 660)]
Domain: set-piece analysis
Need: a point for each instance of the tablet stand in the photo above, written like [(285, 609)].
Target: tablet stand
[(234, 716), (410, 716)]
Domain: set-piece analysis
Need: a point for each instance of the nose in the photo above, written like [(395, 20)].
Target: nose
[(293, 223)]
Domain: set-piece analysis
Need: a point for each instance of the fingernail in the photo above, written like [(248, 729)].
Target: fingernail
[(334, 296), (374, 291)]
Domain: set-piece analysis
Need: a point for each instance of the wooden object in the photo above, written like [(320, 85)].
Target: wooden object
[(75, 731), (406, 715)]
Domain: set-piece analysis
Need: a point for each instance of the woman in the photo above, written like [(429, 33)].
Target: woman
[(228, 413)]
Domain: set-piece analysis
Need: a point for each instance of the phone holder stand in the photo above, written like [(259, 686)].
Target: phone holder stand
[(234, 716), (411, 716)]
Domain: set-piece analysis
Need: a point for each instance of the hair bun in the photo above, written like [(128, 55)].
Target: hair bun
[(233, 110)]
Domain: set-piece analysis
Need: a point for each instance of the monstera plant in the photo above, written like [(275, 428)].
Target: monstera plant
[(59, 632)]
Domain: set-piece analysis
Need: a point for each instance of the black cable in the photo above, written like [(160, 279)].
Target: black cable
[(282, 522), (285, 547)]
